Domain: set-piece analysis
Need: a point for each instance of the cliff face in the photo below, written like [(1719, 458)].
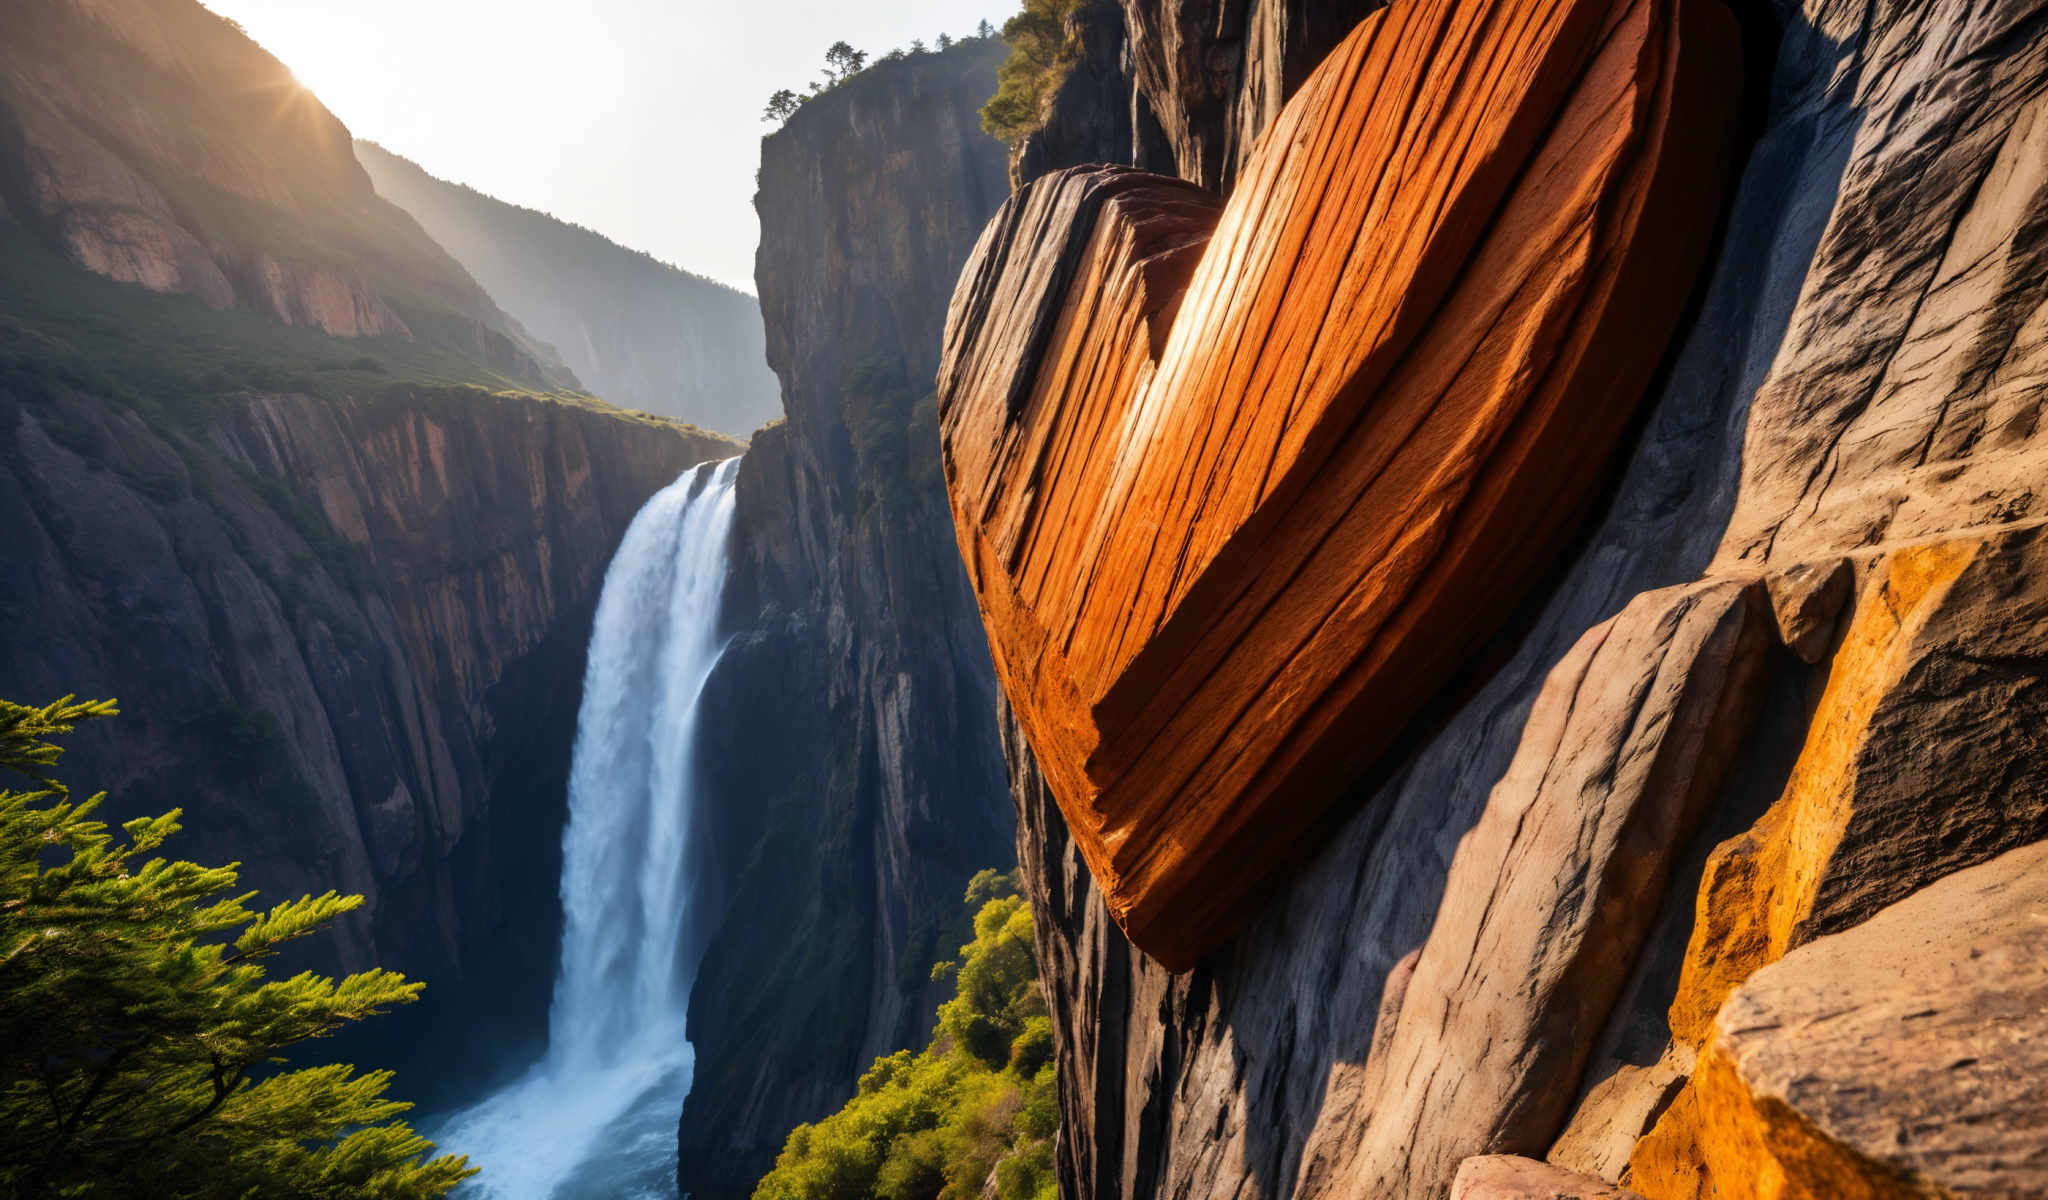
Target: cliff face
[(1787, 678), (155, 144), (636, 331), (346, 634), (1182, 87), (859, 778)]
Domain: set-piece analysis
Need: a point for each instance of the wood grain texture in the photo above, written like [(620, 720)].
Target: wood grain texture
[(1238, 487)]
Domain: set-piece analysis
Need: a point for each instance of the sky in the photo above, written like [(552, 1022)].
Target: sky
[(640, 119)]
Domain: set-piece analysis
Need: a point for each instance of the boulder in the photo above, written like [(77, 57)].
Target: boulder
[(1901, 1058), (1506, 1177)]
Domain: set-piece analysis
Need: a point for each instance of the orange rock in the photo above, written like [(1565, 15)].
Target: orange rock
[(1227, 539), (1898, 1059), (1860, 821), (1759, 885)]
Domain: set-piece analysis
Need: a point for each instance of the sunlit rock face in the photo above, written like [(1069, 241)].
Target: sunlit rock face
[(153, 142), (1239, 485)]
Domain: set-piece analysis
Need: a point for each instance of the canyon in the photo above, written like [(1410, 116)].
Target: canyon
[(342, 576), (1779, 681), (1484, 559)]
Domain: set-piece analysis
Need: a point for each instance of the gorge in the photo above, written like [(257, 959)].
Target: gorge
[(1483, 559)]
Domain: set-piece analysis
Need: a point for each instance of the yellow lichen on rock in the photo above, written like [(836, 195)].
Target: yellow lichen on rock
[(1759, 886), (1759, 1148)]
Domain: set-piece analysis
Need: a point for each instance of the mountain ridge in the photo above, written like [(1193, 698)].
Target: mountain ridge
[(637, 331)]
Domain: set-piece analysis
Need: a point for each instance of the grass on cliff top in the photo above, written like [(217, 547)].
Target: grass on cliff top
[(168, 355)]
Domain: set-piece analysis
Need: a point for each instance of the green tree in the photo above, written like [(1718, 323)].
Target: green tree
[(781, 105), (843, 62), (139, 1036), (980, 1105), (1041, 54)]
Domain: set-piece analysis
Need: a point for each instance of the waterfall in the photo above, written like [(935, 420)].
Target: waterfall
[(597, 1115)]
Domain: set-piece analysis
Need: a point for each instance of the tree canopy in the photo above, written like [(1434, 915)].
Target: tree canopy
[(139, 1035), (975, 1112), (1041, 54)]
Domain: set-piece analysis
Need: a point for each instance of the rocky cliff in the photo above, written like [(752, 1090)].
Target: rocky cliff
[(636, 331), (339, 576), (1785, 679), (858, 777), (347, 637), (155, 144)]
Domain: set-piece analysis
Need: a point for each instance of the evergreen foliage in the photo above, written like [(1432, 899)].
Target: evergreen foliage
[(843, 62), (980, 1104), (139, 1034), (1041, 54)]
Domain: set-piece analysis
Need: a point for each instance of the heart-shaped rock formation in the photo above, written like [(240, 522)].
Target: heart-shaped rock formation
[(1239, 485)]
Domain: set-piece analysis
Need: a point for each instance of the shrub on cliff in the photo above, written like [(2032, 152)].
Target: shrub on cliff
[(1041, 54), (979, 1104), (138, 1033)]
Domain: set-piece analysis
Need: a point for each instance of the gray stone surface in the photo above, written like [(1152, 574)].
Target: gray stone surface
[(1917, 1040)]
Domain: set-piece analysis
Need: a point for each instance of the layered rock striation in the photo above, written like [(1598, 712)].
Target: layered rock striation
[(1786, 681), (1236, 503)]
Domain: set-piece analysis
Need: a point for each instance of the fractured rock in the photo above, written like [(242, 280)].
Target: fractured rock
[(1549, 896), (1901, 1058)]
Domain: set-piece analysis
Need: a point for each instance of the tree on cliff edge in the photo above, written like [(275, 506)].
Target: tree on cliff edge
[(1041, 54), (138, 1033), (780, 105)]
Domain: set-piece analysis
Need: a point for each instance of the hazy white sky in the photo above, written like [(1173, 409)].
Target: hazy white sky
[(638, 118)]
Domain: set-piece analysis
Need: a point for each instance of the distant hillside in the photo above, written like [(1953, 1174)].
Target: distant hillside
[(151, 142), (636, 331)]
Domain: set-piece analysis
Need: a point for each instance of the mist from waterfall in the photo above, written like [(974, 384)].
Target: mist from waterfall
[(596, 1117)]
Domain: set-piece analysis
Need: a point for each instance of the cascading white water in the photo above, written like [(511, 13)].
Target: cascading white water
[(597, 1115)]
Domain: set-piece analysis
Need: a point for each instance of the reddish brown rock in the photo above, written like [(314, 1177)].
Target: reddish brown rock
[(1895, 187), (1226, 542)]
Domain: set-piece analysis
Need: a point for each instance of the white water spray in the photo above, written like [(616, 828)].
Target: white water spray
[(597, 1115)]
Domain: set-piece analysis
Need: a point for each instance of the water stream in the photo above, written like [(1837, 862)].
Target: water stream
[(596, 1117)]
